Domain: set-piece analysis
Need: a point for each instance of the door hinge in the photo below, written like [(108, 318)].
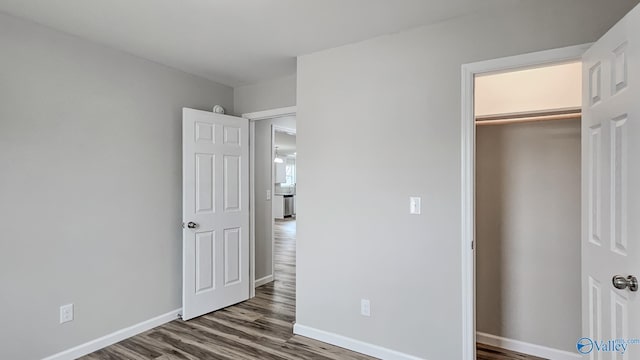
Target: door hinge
[(472, 245)]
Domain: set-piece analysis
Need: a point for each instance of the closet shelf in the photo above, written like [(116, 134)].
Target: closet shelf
[(524, 117)]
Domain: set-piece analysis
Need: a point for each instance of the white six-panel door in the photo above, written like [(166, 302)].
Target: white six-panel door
[(215, 211), (611, 187)]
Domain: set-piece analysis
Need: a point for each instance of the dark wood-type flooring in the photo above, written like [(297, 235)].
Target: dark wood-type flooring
[(487, 352), (260, 328)]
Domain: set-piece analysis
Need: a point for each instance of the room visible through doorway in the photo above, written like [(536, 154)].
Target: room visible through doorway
[(528, 214), (284, 204)]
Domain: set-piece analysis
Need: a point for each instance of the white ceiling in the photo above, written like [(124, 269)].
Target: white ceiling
[(235, 42)]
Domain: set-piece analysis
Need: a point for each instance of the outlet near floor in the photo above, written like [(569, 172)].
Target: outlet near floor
[(66, 313), (365, 307)]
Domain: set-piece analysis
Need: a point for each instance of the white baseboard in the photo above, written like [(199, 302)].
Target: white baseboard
[(265, 280), (114, 337), (351, 344), (526, 348)]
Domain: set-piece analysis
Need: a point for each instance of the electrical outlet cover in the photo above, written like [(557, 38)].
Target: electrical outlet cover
[(365, 307), (66, 313)]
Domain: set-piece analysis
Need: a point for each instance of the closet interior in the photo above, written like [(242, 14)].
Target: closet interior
[(528, 208)]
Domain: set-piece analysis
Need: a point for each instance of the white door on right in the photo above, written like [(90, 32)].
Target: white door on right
[(611, 193)]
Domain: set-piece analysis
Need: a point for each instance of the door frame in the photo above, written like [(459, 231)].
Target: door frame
[(468, 154), (253, 117)]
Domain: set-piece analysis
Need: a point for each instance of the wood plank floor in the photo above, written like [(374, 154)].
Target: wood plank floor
[(487, 352), (260, 328)]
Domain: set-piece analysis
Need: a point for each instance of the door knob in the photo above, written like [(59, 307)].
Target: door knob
[(192, 225), (620, 282)]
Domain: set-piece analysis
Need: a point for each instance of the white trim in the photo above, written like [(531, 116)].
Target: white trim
[(252, 209), (351, 344), (273, 195), (468, 216), (530, 60), (271, 114), (526, 348), (253, 117), (541, 58), (114, 337), (265, 280)]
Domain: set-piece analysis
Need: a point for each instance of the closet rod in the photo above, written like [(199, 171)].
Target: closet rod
[(569, 114)]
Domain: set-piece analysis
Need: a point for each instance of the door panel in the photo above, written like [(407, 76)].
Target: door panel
[(594, 316), (610, 246), (594, 168), (232, 179), (232, 258), (205, 183), (215, 201), (205, 253)]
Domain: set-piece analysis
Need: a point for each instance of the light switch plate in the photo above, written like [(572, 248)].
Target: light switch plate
[(415, 206)]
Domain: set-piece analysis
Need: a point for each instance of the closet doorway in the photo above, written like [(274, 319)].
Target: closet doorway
[(527, 211)]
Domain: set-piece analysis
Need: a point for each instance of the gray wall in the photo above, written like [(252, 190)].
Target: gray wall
[(263, 168), (396, 103), (90, 187), (266, 95), (528, 232)]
